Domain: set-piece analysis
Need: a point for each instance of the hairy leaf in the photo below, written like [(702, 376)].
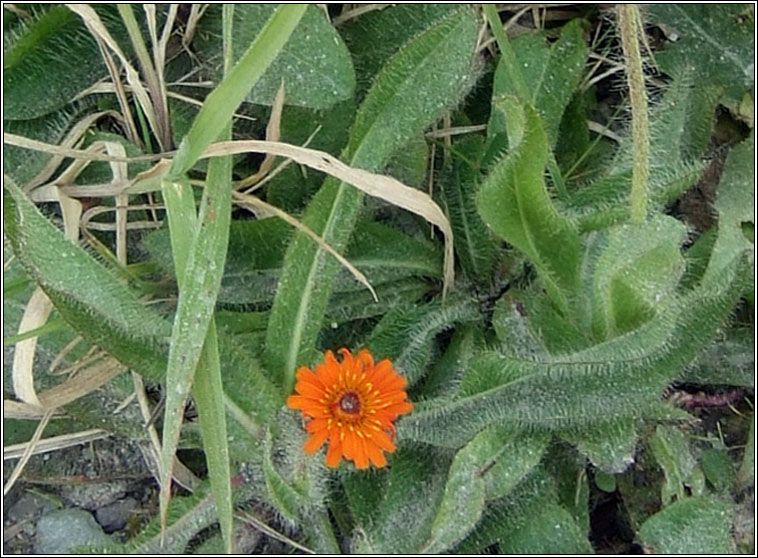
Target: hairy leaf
[(315, 65), (514, 203), (714, 39), (406, 335), (621, 378), (50, 58), (552, 72), (690, 526), (420, 81)]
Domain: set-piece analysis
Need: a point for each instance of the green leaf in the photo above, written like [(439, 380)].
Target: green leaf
[(608, 445), (521, 452), (729, 360), (193, 355), (50, 58), (671, 449), (515, 204), (605, 482), (637, 267), (376, 36), (714, 39), (680, 125), (24, 164), (718, 469), (427, 76), (552, 71), (553, 530), (475, 248), (622, 377), (690, 526), (736, 195), (513, 329), (445, 375), (223, 101), (406, 335), (315, 65), (528, 521), (463, 501), (84, 291), (403, 517), (285, 498)]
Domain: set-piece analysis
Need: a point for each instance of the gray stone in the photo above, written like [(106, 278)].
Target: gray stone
[(29, 506), (94, 495), (113, 517), (61, 531)]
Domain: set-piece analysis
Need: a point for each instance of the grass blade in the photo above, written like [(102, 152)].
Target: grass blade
[(224, 100)]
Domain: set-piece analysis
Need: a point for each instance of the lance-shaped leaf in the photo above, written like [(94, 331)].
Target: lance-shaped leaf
[(622, 377), (690, 526), (715, 39), (49, 58), (515, 204), (207, 388), (88, 296), (403, 516), (551, 72), (315, 65), (419, 82), (486, 468), (633, 268)]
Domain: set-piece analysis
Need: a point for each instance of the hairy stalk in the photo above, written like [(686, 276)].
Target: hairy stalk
[(630, 29)]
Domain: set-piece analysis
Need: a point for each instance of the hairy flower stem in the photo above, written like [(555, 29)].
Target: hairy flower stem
[(630, 29)]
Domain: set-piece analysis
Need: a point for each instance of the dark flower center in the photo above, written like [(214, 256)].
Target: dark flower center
[(350, 403)]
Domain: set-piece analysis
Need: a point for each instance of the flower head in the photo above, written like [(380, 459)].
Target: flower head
[(353, 404)]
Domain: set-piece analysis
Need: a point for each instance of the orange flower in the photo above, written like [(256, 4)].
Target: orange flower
[(353, 404)]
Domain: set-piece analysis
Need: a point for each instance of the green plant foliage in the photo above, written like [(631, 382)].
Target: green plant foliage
[(463, 501), (84, 291), (528, 393), (374, 38), (718, 469), (608, 445), (256, 253), (514, 203), (552, 71), (680, 125), (693, 525), (428, 75), (475, 249), (636, 267), (406, 335), (671, 449), (23, 164), (402, 519), (716, 41), (585, 385), (315, 65), (49, 58), (734, 205)]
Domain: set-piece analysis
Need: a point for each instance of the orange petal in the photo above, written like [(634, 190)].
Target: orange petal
[(349, 445), (365, 358), (375, 454), (309, 390), (317, 424), (305, 375), (316, 441), (382, 440), (297, 402), (399, 409), (361, 456), (333, 454)]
